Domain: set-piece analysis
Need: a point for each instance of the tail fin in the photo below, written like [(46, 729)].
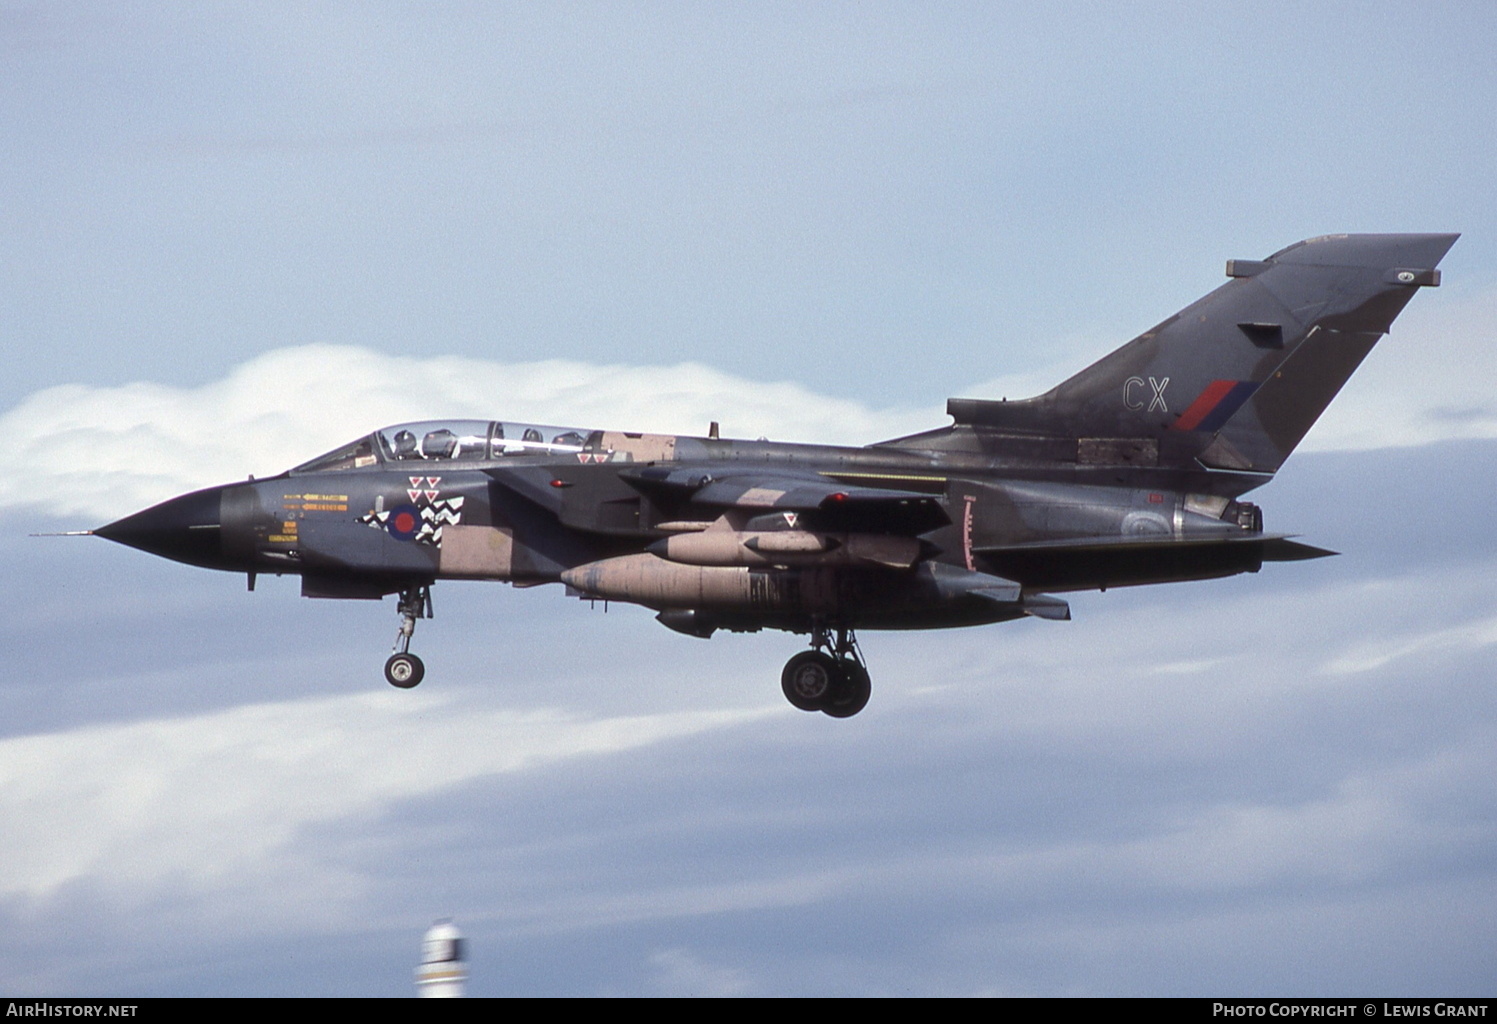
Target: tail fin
[(1236, 379)]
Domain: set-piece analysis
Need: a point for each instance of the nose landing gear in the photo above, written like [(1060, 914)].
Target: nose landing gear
[(830, 678), (404, 669)]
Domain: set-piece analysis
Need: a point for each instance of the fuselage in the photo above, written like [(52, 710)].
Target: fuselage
[(416, 503)]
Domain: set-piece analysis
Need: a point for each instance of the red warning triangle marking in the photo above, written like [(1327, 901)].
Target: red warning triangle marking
[(415, 495), (415, 481), (431, 495), (432, 481)]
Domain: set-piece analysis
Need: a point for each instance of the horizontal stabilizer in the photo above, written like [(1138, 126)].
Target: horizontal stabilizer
[(1282, 549), (1090, 563), (1269, 542)]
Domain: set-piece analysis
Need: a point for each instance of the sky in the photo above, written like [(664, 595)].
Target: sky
[(232, 237)]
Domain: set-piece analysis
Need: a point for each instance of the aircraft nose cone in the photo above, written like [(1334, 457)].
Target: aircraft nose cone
[(185, 529)]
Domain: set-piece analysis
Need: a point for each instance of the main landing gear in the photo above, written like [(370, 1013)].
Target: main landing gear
[(404, 669), (830, 678)]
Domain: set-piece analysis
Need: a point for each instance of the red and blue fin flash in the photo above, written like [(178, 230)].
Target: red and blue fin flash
[(1215, 405)]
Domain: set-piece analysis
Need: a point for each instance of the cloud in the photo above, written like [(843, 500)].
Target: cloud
[(224, 801), (1376, 651), (680, 972)]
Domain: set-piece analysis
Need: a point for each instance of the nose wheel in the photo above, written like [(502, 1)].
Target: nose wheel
[(830, 678), (404, 669)]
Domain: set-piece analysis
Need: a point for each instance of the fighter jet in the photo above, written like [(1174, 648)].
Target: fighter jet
[(1130, 472)]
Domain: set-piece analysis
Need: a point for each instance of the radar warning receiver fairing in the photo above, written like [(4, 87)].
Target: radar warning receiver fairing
[(1130, 472)]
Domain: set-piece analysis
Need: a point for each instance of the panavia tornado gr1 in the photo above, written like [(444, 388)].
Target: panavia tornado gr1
[(1130, 472)]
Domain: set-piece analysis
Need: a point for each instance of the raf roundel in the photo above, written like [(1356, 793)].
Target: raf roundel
[(403, 522)]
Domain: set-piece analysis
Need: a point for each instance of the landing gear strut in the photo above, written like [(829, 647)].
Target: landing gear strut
[(404, 669), (830, 678)]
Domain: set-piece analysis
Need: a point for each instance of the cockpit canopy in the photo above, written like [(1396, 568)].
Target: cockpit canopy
[(452, 441)]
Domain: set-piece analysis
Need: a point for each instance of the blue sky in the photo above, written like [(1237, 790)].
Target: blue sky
[(231, 239)]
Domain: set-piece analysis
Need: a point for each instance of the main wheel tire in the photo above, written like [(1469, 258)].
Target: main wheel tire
[(810, 680), (852, 696), (404, 670)]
